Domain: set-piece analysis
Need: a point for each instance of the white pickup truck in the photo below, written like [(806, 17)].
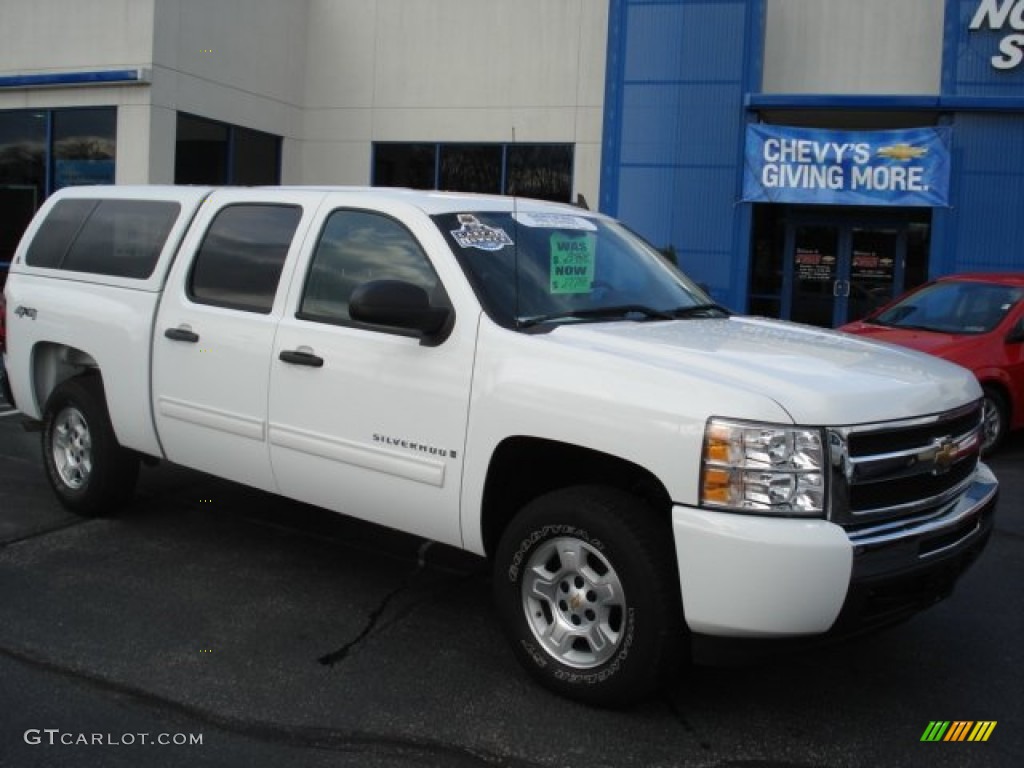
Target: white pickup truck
[(524, 380)]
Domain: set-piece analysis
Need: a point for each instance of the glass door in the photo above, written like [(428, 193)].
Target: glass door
[(838, 272), (813, 268), (874, 263)]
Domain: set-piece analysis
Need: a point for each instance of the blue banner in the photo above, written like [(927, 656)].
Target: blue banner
[(810, 165)]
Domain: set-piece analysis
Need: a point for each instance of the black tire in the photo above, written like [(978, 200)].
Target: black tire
[(996, 420), (90, 472), (618, 539), (5, 385)]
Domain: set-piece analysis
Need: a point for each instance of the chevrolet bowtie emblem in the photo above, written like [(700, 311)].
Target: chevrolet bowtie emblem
[(945, 455), (902, 152)]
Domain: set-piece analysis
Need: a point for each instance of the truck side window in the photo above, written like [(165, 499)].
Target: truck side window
[(355, 248), (239, 263), (121, 238)]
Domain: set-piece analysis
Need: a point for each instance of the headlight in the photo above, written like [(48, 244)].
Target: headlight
[(763, 469)]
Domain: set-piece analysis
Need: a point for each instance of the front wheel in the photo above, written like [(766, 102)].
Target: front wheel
[(996, 420), (586, 588), (88, 469)]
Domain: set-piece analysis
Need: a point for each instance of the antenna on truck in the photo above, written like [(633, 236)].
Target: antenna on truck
[(515, 236)]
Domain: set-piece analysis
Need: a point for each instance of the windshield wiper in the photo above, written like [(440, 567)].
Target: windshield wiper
[(701, 310), (618, 312)]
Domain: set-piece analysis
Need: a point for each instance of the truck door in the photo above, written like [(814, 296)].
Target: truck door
[(215, 330), (365, 420)]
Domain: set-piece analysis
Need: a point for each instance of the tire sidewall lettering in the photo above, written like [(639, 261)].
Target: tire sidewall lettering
[(542, 534)]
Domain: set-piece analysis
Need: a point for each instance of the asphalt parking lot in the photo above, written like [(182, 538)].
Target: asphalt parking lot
[(282, 635)]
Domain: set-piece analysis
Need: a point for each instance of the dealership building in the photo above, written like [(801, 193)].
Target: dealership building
[(803, 159)]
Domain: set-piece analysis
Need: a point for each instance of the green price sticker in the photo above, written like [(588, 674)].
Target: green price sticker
[(572, 263)]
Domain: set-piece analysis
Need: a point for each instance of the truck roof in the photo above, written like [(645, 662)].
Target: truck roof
[(436, 202), (430, 202)]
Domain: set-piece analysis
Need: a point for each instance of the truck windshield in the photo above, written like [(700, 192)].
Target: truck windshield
[(534, 270)]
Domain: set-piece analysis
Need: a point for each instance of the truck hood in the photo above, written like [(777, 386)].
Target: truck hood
[(818, 377)]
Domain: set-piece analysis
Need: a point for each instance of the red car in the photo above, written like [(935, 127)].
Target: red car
[(975, 320)]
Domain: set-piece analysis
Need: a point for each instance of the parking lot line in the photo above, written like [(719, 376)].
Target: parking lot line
[(11, 412)]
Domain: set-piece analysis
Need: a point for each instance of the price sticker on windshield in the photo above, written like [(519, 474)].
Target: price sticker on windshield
[(554, 221), (572, 263)]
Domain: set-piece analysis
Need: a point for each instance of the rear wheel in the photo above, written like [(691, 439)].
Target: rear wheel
[(586, 588), (995, 420), (88, 469)]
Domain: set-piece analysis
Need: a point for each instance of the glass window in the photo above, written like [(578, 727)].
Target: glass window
[(355, 248), (239, 263), (57, 232), (405, 165), (470, 168), (951, 306), (22, 175), (208, 152), (255, 158), (84, 142), (78, 145), (23, 150), (123, 238), (546, 268), (18, 205), (542, 171), (200, 151)]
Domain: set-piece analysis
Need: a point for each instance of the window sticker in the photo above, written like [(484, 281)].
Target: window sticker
[(555, 221), (472, 234), (572, 263)]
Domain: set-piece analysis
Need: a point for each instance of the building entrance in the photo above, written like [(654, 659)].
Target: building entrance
[(828, 268), (838, 273)]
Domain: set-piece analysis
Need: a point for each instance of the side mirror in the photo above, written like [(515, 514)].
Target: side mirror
[(397, 304)]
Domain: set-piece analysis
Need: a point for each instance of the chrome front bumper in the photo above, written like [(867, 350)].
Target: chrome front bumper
[(901, 569)]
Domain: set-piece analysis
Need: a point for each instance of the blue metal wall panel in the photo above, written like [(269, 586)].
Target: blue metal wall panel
[(678, 72), (984, 228), (672, 125), (687, 41), (967, 54)]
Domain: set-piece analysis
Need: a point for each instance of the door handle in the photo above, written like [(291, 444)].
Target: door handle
[(25, 312), (181, 334), (298, 357)]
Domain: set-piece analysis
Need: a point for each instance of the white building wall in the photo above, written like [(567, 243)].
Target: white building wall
[(45, 36), (329, 76), (237, 61), (854, 46), (451, 70), (56, 36)]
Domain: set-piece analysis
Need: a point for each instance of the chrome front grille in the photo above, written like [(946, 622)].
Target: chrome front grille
[(902, 471)]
